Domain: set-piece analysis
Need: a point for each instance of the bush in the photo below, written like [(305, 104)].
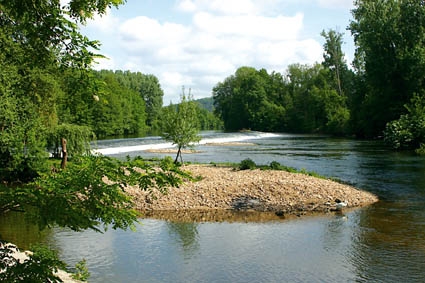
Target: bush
[(398, 134), (275, 165), (247, 164), (82, 273), (421, 150), (408, 131)]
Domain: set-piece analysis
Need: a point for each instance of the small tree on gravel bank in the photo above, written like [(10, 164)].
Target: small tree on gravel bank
[(180, 124)]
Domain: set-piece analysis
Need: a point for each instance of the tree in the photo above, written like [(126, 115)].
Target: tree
[(180, 124), (408, 132), (334, 57), (39, 39), (151, 92), (308, 88), (78, 139), (245, 100), (390, 58), (340, 78), (88, 194), (149, 89), (119, 109)]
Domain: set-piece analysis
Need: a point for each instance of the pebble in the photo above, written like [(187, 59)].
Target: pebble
[(262, 190)]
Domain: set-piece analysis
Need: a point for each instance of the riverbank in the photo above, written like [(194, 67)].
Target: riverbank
[(22, 256), (224, 188)]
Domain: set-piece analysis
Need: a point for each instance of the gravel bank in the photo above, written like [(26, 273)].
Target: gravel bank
[(223, 188)]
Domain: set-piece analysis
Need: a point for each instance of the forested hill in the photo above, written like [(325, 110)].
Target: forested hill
[(206, 116), (206, 103)]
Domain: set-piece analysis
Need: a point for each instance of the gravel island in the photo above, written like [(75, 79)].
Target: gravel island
[(280, 192)]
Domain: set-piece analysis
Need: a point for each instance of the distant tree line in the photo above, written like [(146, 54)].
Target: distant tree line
[(383, 95), (303, 100), (117, 103)]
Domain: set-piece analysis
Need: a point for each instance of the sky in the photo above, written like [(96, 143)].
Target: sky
[(199, 43)]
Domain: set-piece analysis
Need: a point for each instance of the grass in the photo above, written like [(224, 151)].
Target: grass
[(248, 164)]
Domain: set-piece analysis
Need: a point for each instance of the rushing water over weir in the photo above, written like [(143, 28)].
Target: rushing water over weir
[(381, 243)]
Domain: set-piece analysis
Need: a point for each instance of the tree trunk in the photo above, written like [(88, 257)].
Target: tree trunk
[(64, 153), (179, 153)]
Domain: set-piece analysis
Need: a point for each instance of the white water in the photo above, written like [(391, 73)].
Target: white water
[(124, 149), (237, 137)]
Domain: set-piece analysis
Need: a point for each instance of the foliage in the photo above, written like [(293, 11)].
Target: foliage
[(247, 164), (306, 101), (409, 130), (119, 110), (241, 101), (206, 103), (102, 101), (421, 149), (149, 90), (275, 165), (180, 124), (340, 80), (39, 39), (78, 139), (334, 58), (208, 121), (152, 94), (82, 273), (398, 133), (90, 192), (390, 59), (22, 147), (39, 267)]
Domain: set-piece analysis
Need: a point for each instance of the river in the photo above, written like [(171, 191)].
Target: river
[(384, 242)]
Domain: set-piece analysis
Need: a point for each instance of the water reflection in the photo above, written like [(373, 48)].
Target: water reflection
[(333, 237), (17, 229), (390, 241), (186, 234), (212, 215)]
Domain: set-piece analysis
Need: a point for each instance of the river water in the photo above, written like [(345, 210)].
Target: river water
[(384, 242)]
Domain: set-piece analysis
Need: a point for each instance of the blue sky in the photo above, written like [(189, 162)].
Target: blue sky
[(198, 43)]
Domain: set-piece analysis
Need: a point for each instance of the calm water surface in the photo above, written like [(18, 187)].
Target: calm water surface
[(381, 243)]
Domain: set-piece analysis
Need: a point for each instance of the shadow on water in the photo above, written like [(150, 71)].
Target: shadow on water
[(187, 236), (17, 229), (228, 216), (389, 243)]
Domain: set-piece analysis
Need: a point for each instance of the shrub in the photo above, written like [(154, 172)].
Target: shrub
[(82, 273), (275, 165), (398, 133), (247, 164), (421, 150)]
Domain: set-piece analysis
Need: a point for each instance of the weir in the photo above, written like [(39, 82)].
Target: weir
[(161, 144)]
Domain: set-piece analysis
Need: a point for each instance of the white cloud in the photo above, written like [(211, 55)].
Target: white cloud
[(234, 7), (348, 4), (147, 31), (256, 27), (104, 23), (107, 63), (187, 6), (219, 37)]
